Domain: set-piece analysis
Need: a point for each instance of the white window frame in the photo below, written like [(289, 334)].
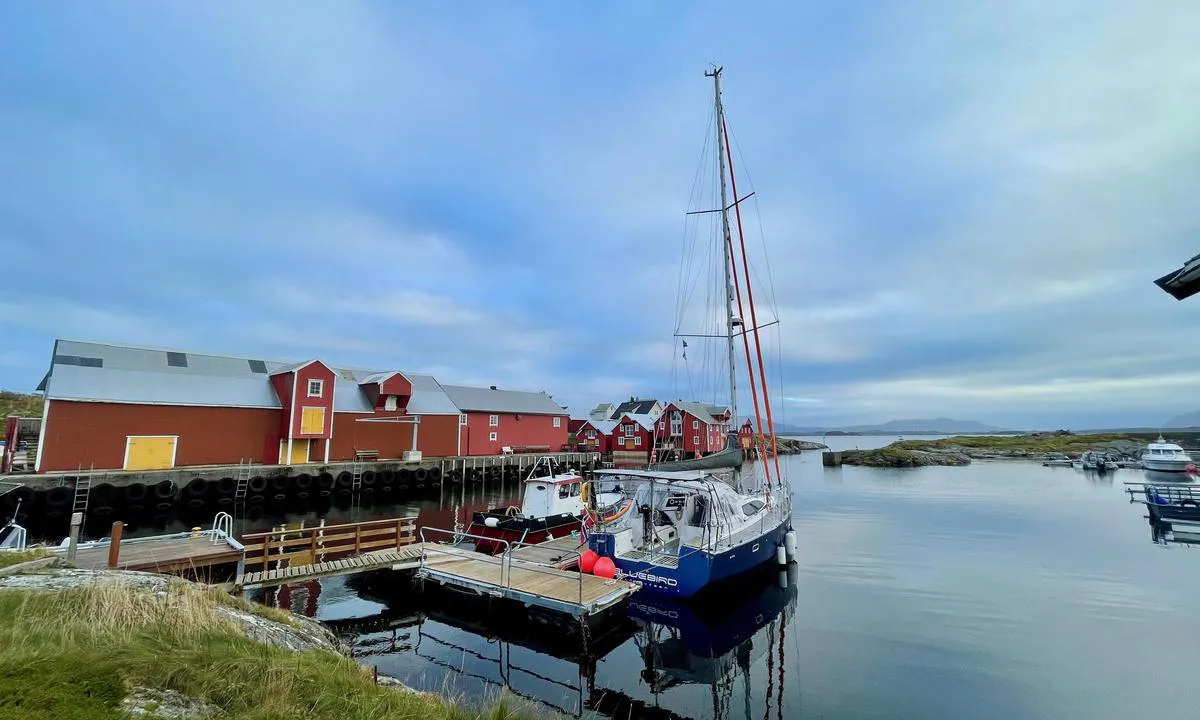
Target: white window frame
[(695, 424), (390, 403), (492, 437), (557, 421), (591, 434), (637, 441), (320, 388), (628, 430), (662, 426), (493, 421), (462, 419), (695, 439)]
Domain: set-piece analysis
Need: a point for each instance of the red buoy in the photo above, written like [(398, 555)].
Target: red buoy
[(587, 560), (605, 568)]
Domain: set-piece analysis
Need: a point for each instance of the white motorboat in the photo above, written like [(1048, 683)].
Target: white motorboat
[(1163, 456)]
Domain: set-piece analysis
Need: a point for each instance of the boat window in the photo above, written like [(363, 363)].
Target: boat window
[(564, 490), (752, 507), (699, 512), (575, 489)]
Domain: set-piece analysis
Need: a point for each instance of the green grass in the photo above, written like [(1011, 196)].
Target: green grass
[(8, 558), (1028, 443), (14, 403), (73, 654)]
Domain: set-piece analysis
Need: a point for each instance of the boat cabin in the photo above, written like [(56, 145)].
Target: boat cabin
[(550, 490)]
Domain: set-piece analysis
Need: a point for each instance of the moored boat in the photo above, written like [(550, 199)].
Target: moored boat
[(552, 506), (1162, 456)]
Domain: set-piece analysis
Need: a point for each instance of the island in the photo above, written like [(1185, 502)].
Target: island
[(960, 450)]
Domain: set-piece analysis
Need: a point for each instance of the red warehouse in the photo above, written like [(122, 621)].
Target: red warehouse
[(494, 419), (691, 428), (116, 407), (634, 432)]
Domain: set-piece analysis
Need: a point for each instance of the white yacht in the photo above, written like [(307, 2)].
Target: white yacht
[(1163, 456)]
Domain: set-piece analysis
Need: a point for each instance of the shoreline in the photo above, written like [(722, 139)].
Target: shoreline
[(963, 449)]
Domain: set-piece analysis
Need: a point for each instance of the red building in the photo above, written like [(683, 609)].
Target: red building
[(691, 428), (493, 420), (634, 432), (596, 435), (115, 407)]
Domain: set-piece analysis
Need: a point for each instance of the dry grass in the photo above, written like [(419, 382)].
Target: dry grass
[(74, 653), (11, 557)]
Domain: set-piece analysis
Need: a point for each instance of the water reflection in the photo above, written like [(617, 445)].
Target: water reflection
[(647, 663)]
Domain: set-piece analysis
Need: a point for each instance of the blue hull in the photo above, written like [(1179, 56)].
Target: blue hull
[(697, 568)]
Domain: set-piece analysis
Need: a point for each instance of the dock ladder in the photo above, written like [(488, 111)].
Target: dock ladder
[(243, 481), (83, 489), (356, 473), (222, 523)]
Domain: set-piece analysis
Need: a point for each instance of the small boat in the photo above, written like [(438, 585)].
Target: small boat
[(551, 507), (1093, 460), (1162, 456), (1057, 460), (1172, 503)]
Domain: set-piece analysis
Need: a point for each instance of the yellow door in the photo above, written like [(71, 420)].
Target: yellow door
[(312, 421), (149, 453), (299, 452)]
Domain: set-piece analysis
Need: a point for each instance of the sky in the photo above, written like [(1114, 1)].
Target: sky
[(958, 210)]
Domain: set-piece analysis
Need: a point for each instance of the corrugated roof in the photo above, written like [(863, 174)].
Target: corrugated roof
[(643, 419), (502, 401), (698, 410), (118, 373), (604, 427)]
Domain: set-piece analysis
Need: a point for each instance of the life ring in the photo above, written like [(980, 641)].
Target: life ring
[(583, 492)]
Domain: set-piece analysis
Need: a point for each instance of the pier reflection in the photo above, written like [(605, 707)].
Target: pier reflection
[(718, 657)]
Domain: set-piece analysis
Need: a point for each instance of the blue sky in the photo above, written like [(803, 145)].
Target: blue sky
[(964, 205)]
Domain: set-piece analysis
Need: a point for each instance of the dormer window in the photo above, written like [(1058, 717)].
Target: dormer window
[(316, 388)]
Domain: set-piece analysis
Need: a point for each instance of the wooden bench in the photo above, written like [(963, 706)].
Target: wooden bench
[(366, 455)]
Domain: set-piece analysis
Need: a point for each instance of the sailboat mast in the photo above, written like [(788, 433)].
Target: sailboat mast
[(726, 243)]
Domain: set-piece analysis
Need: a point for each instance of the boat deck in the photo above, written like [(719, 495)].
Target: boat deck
[(504, 576)]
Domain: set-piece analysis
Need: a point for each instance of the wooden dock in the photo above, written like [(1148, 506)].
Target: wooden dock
[(525, 581), (167, 554), (406, 558), (561, 553)]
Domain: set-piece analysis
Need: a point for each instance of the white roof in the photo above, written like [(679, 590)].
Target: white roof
[(646, 421)]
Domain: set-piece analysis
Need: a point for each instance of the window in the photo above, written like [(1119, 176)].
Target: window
[(628, 430), (557, 421), (591, 434), (177, 359), (462, 419), (695, 439), (493, 421), (315, 388), (637, 441), (752, 507), (390, 403), (676, 423), (492, 437), (662, 425), (564, 491), (258, 366), (576, 488), (695, 424)]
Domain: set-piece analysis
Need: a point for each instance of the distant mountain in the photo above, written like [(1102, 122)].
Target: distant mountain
[(1186, 420), (926, 426)]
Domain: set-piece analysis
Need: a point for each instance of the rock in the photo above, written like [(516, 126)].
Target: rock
[(151, 703), (898, 457), (791, 446)]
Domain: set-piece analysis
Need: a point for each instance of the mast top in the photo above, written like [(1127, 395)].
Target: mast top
[(714, 72)]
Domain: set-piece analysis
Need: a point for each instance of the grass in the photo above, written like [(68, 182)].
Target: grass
[(74, 654), (16, 557), (14, 403), (1027, 443)]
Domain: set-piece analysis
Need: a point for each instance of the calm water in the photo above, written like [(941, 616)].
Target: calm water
[(999, 590)]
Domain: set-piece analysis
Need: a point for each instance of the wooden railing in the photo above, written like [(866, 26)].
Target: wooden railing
[(308, 545)]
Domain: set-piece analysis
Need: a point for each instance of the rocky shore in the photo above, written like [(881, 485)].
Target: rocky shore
[(892, 456), (963, 449), (792, 446)]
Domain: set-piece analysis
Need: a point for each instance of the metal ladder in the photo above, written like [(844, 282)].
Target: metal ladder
[(356, 473), (83, 489), (243, 481)]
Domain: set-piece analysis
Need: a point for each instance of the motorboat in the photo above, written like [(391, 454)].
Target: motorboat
[(1057, 460), (552, 506), (1162, 456), (1093, 460)]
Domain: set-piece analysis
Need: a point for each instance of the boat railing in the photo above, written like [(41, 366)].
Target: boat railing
[(503, 560), (1172, 493)]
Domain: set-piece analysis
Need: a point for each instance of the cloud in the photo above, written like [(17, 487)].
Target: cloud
[(964, 206)]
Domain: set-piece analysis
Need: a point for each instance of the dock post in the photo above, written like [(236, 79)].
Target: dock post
[(76, 521), (114, 545)]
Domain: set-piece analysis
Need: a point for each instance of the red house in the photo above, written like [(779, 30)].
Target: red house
[(634, 433), (596, 435), (492, 420), (691, 428)]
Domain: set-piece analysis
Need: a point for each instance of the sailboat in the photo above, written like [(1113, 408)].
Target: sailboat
[(692, 527)]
